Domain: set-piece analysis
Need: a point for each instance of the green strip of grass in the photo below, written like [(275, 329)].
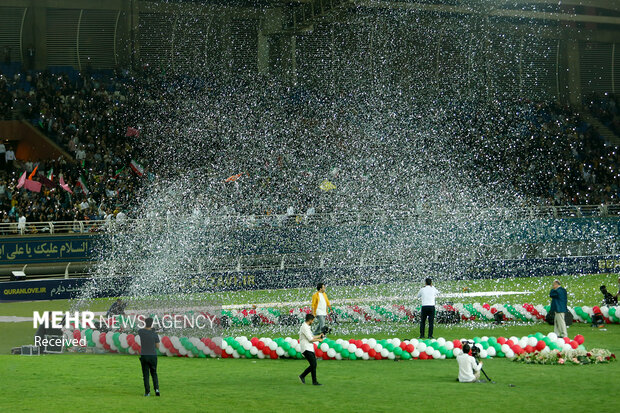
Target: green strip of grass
[(114, 383)]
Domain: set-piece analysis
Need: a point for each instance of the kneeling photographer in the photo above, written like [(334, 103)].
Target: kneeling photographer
[(469, 368)]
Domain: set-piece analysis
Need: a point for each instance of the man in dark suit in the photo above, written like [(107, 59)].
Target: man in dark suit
[(558, 305)]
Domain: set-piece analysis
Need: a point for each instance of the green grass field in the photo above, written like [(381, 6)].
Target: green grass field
[(109, 382)]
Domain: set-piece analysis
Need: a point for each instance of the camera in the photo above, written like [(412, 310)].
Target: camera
[(475, 350)]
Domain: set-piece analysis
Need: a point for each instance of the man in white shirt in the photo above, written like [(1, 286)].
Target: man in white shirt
[(469, 368), (427, 294), (307, 348), (320, 305)]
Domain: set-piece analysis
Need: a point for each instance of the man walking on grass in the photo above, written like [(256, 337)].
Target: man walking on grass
[(149, 340)]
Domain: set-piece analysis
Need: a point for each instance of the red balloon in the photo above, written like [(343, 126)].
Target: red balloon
[(403, 345), (529, 349), (225, 355), (102, 338), (319, 352), (76, 334), (273, 355), (409, 348), (359, 343), (574, 344), (325, 356), (365, 348), (493, 310), (566, 340), (254, 341), (540, 345), (501, 340), (266, 351), (457, 344), (131, 339), (486, 306), (352, 341), (423, 356), (260, 345), (372, 353), (378, 356), (579, 339), (510, 343)]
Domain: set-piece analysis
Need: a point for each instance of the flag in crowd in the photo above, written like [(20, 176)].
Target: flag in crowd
[(132, 132), (233, 178), (82, 183), (136, 167), (64, 186)]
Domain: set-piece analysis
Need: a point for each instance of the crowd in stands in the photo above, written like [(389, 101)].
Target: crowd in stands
[(290, 152)]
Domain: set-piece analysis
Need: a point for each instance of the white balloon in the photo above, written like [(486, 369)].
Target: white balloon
[(331, 353), (532, 341), (229, 350), (246, 345), (414, 342), (384, 352), (510, 354), (429, 350), (396, 342), (505, 348), (378, 347), (324, 347), (421, 346), (567, 347), (514, 339), (436, 354), (297, 347), (236, 354), (365, 356), (359, 352), (415, 354), (280, 351), (96, 335), (372, 342), (457, 352), (391, 356), (523, 342), (254, 351), (484, 354), (441, 341), (491, 351), (351, 347), (261, 355), (182, 351), (273, 346), (449, 345)]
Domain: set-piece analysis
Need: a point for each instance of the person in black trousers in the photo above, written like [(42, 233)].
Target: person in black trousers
[(149, 340), (427, 294), (307, 348)]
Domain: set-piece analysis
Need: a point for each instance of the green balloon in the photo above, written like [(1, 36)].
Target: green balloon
[(442, 350), (352, 356), (539, 336), (286, 346), (485, 344), (405, 355), (292, 352), (476, 340), (500, 354), (345, 353), (398, 351), (338, 348), (389, 347), (449, 354)]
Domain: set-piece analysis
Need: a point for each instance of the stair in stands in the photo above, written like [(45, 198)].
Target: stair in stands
[(602, 129)]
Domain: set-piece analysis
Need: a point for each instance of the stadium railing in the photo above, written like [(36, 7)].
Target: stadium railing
[(322, 219)]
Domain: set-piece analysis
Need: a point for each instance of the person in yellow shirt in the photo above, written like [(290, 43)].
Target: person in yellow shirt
[(320, 305)]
